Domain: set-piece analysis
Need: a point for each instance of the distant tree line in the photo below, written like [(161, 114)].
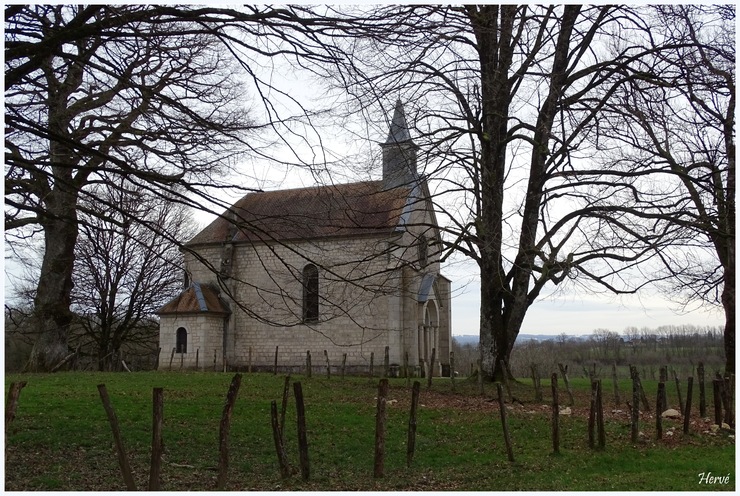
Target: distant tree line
[(680, 347)]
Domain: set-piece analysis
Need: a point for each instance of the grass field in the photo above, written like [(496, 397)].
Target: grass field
[(61, 439)]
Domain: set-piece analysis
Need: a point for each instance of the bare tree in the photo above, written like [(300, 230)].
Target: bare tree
[(149, 93), (668, 138), (501, 96), (125, 270)]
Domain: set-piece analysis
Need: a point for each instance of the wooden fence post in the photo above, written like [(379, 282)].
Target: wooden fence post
[(182, 360), (249, 361), (687, 410), (452, 370), (223, 434), (386, 362), (635, 414), (615, 381), (284, 408), (664, 398), (659, 408), (406, 368), (592, 416), (600, 415), (308, 363), (11, 406), (302, 437), (157, 445), (328, 366), (480, 377), (274, 369), (728, 395), (702, 391), (640, 391), (197, 353), (380, 429), (678, 391), (564, 374), (344, 364), (172, 357), (372, 363), (431, 368), (156, 361), (536, 382), (411, 440), (277, 435), (122, 458), (505, 372), (555, 414), (717, 385), (504, 423)]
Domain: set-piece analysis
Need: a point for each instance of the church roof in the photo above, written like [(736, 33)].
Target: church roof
[(355, 209), (198, 298)]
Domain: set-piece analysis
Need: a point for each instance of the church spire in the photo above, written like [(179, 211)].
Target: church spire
[(399, 153), (399, 131)]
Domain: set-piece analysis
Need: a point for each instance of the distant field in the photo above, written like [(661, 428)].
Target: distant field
[(61, 439)]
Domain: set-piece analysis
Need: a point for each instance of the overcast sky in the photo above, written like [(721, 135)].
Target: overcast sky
[(582, 314)]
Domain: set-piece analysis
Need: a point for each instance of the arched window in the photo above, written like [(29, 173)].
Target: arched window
[(423, 251), (310, 294), (181, 340)]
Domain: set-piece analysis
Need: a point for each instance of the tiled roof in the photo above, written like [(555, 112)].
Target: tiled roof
[(309, 213), (198, 298)]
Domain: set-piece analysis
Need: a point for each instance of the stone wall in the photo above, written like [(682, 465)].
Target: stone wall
[(368, 297), (204, 338)]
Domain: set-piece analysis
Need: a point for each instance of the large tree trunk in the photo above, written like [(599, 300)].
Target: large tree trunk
[(728, 302), (51, 306), (60, 224), (505, 298), (496, 52)]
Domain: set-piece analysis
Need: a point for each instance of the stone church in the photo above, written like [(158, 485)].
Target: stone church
[(349, 269)]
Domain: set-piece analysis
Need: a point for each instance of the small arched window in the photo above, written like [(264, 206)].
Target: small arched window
[(310, 294), (181, 340)]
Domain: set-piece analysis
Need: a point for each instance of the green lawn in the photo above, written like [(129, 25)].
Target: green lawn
[(61, 438)]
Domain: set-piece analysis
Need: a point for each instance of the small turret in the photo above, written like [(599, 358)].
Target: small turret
[(399, 153)]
